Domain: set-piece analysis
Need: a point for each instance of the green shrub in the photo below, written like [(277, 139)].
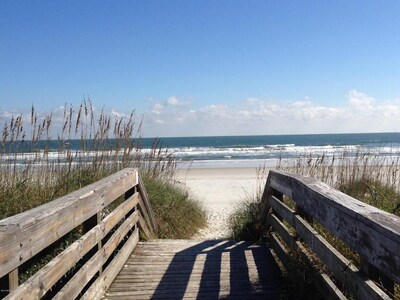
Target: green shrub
[(178, 215), (244, 222), (376, 193)]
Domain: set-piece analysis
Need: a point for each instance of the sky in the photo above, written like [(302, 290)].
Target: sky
[(204, 68)]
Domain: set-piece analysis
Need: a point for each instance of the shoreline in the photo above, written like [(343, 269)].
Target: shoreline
[(220, 190)]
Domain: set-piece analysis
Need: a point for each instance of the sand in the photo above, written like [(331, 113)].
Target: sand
[(220, 190)]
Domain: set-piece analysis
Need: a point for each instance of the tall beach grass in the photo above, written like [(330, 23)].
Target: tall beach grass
[(367, 177), (42, 158)]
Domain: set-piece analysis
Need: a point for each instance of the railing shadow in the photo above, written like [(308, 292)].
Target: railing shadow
[(221, 270)]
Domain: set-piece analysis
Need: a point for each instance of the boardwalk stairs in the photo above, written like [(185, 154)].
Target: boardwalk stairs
[(100, 243)]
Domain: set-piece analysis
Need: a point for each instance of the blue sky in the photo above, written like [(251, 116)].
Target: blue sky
[(208, 67)]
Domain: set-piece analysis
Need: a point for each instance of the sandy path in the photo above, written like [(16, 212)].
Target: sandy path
[(219, 190)]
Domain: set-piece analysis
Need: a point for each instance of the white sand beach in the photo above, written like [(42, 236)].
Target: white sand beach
[(220, 190)]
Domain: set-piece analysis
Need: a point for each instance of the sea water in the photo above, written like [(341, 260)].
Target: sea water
[(250, 151), (253, 151)]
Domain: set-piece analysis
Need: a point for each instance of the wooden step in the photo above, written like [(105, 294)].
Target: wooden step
[(196, 269)]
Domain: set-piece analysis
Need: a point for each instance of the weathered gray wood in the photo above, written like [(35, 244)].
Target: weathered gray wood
[(86, 273), (373, 233), (268, 192), (280, 251), (331, 290), (24, 235), (211, 269), (8, 283), (13, 280), (284, 211), (282, 230), (339, 265), (98, 288), (144, 228), (322, 281), (36, 286), (342, 268), (151, 218), (49, 222), (372, 272)]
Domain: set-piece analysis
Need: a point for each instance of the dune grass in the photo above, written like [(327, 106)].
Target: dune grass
[(370, 178), (177, 212), (38, 164), (244, 223)]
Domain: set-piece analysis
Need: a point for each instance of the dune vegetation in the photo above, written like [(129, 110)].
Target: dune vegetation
[(370, 178), (42, 159)]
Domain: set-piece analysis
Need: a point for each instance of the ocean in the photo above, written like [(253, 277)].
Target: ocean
[(253, 151)]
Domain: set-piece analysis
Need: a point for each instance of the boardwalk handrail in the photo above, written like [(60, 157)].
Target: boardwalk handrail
[(109, 214), (372, 233)]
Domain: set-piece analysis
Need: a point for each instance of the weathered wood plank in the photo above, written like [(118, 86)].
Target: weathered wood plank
[(86, 273), (13, 280), (321, 280), (329, 289), (24, 235), (143, 226), (102, 283), (225, 269), (151, 218), (284, 211), (282, 230), (280, 250), (36, 286), (373, 233), (342, 268)]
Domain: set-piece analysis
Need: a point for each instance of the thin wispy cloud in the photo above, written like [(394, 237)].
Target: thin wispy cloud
[(360, 113), (253, 116), (174, 101)]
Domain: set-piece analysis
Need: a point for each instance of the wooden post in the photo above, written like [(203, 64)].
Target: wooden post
[(130, 193), (266, 208), (302, 213), (87, 225), (8, 283), (278, 195), (13, 280)]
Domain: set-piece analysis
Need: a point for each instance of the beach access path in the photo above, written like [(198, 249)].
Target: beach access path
[(220, 190)]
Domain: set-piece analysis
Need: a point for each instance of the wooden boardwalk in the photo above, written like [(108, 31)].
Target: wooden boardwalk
[(190, 269), (112, 214)]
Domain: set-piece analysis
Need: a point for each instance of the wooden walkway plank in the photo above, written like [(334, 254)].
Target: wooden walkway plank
[(190, 269)]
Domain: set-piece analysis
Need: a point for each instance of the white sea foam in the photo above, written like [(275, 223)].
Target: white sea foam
[(246, 156), (271, 151)]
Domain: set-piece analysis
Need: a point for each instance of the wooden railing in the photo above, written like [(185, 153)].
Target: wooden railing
[(371, 233), (107, 216)]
